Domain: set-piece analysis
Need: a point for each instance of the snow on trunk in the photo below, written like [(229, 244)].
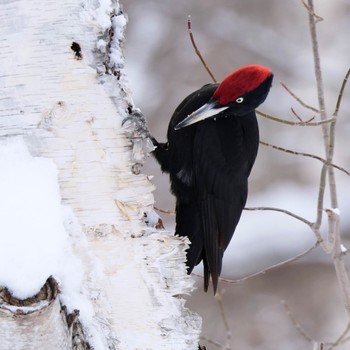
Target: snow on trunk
[(64, 96)]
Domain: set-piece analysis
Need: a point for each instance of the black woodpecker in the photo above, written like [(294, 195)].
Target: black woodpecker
[(213, 140)]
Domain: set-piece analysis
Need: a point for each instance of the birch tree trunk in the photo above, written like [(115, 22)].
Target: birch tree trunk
[(64, 96)]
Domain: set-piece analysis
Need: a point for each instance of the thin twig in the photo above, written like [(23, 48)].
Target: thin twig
[(313, 226), (317, 63), (169, 212), (299, 118), (296, 324), (272, 267), (311, 12), (284, 121), (340, 95), (324, 161), (330, 149), (331, 175), (321, 191), (287, 212), (198, 53), (295, 113), (338, 259), (333, 222), (342, 338), (321, 102), (218, 297), (299, 99), (343, 341), (329, 140)]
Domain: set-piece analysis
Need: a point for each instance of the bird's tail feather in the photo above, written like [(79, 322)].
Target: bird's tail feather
[(202, 236), (212, 255)]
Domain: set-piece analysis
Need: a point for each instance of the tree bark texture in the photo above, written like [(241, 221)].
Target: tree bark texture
[(65, 94)]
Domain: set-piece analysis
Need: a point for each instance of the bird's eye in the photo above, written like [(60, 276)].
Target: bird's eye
[(240, 100)]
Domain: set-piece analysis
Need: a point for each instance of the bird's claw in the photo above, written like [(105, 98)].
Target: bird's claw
[(135, 124), (135, 127)]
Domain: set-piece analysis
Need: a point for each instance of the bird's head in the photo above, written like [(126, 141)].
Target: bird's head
[(241, 91)]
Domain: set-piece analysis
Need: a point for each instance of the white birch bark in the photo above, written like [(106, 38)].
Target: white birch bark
[(67, 103)]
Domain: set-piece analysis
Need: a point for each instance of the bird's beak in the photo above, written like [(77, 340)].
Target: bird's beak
[(208, 110)]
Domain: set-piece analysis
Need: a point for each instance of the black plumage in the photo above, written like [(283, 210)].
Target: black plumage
[(209, 162)]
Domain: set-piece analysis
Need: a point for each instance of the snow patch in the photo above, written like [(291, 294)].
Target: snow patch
[(32, 236), (39, 237), (118, 25), (335, 211)]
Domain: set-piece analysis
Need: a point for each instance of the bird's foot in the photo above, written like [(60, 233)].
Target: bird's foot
[(135, 127)]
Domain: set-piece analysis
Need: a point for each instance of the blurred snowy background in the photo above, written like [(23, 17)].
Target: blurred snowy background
[(163, 69)]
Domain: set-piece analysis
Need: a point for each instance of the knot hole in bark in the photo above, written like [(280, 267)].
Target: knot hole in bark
[(77, 50)]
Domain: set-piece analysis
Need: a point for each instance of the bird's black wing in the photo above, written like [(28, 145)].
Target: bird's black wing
[(181, 141), (175, 158), (223, 155)]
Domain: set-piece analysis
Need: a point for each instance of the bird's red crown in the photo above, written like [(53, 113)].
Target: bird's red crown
[(241, 81)]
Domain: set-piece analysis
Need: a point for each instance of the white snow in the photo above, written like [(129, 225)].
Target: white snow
[(32, 236), (102, 14), (335, 211), (38, 235), (118, 25)]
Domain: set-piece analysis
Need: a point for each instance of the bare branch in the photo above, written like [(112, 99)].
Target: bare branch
[(299, 118), (218, 297), (321, 190), (338, 259), (169, 212), (273, 267), (313, 226), (295, 113), (340, 95), (311, 12), (287, 212), (342, 338), (329, 138), (284, 121), (298, 99), (331, 176), (198, 53), (317, 64), (296, 324), (324, 161), (328, 132)]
